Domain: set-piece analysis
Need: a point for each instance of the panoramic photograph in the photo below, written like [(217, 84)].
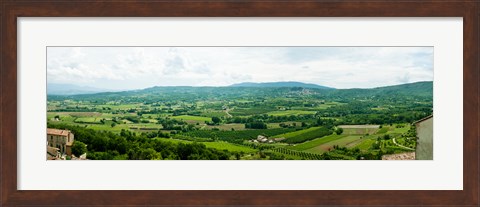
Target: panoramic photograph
[(239, 103)]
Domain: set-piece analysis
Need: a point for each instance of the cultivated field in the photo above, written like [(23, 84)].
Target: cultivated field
[(241, 123)]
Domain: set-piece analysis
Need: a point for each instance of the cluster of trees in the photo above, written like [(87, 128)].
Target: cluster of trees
[(338, 131), (136, 119), (326, 122), (396, 104), (79, 148), (365, 112), (342, 153), (387, 105), (269, 118), (409, 139), (154, 134), (384, 144), (215, 121), (255, 125), (292, 125), (172, 124), (236, 136), (75, 109), (105, 145)]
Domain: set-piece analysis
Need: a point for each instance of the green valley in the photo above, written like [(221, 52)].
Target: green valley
[(244, 121)]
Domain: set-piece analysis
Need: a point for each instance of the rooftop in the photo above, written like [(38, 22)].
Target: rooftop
[(58, 132), (423, 119)]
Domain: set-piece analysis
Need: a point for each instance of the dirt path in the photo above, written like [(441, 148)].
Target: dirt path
[(228, 114), (395, 142)]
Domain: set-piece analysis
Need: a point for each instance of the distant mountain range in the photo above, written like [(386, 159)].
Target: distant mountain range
[(424, 88), (70, 89), (422, 85), (420, 88), (279, 84)]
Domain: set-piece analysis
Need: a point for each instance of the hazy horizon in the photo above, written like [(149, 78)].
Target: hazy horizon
[(220, 86), (132, 68)]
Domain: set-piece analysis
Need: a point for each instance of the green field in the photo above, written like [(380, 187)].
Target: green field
[(75, 114), (344, 141), (87, 120), (281, 122), (289, 112), (153, 116), (359, 129), (397, 129), (212, 113), (227, 127), (366, 144), (187, 118), (219, 146), (229, 147), (120, 106), (250, 111), (297, 133), (117, 128), (353, 136), (316, 142), (237, 136), (149, 126), (63, 117), (304, 135), (290, 123)]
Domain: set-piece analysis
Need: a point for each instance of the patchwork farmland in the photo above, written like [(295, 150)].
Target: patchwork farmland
[(244, 123)]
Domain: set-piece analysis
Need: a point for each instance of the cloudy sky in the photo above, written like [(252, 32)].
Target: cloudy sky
[(123, 68)]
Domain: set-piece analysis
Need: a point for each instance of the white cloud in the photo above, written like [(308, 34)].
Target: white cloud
[(141, 67)]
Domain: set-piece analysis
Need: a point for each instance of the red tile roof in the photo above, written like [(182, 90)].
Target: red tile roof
[(58, 132)]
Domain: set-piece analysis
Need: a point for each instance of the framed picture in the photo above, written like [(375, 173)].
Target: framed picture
[(239, 103)]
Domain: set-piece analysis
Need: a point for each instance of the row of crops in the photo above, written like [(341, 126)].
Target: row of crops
[(309, 135), (285, 151), (237, 136)]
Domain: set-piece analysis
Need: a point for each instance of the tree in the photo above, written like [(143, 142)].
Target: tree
[(386, 137), (319, 122), (113, 124), (79, 148), (339, 131), (256, 125), (216, 120)]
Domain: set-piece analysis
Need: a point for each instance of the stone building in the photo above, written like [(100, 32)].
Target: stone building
[(60, 139), (424, 148)]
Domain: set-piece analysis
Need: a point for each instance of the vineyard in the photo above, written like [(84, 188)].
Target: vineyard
[(292, 154), (302, 155), (237, 136), (225, 123), (308, 135)]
